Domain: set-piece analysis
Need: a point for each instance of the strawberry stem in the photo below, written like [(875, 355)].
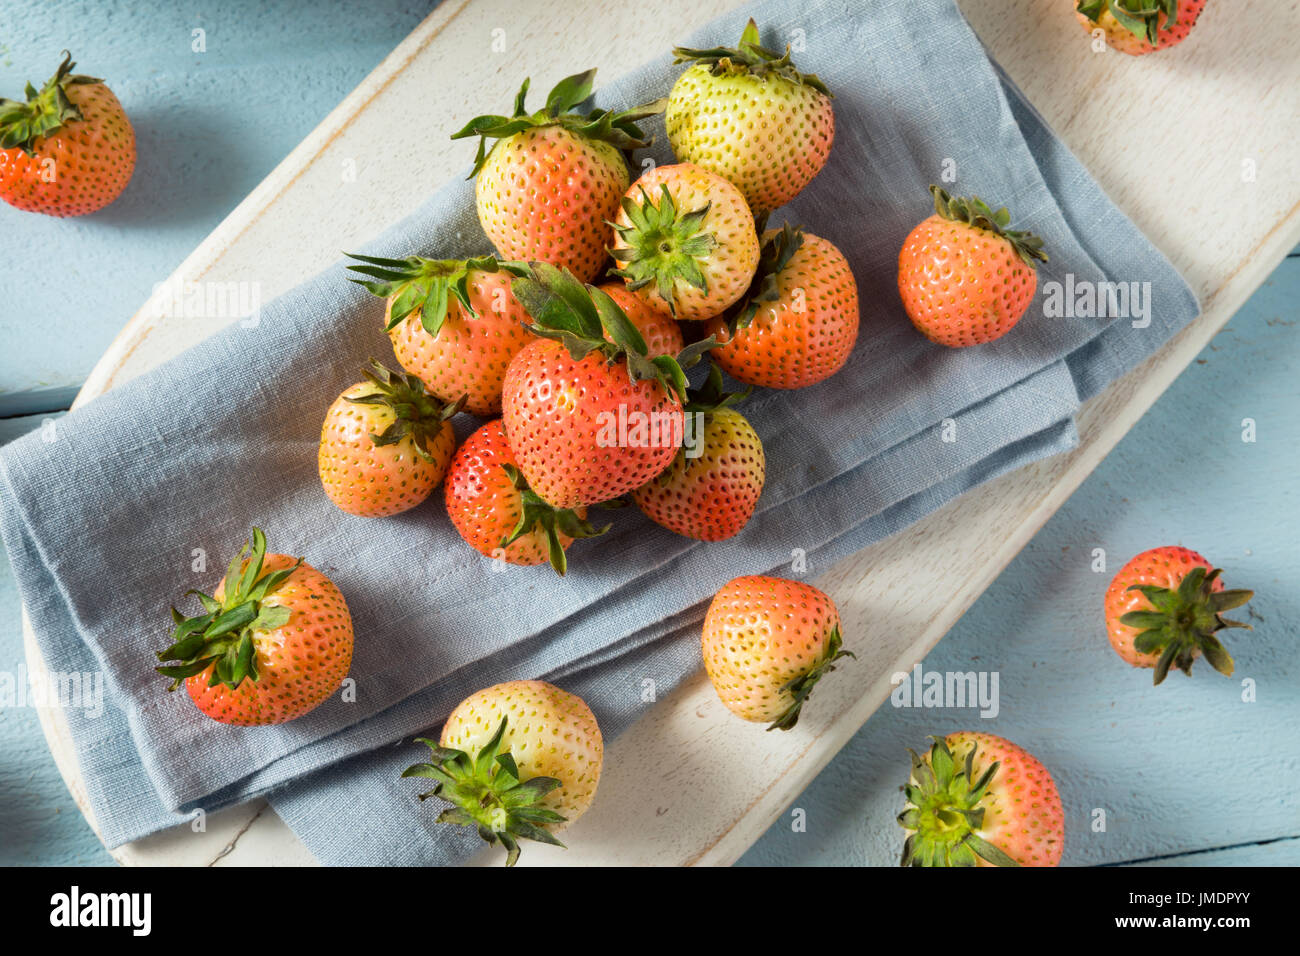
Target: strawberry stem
[(45, 111), (749, 56), (944, 814), (425, 284), (223, 634), (536, 512), (974, 211), (1139, 17), (801, 687), (485, 792), (662, 245), (418, 415), (617, 128), (774, 255), (1184, 620), (579, 316)]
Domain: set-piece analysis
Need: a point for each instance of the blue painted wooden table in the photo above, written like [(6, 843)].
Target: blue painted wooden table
[(214, 112), (1187, 772)]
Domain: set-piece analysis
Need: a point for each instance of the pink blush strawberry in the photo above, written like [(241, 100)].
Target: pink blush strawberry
[(662, 334), (545, 193), (562, 420), (274, 641), (553, 178), (979, 800), (1146, 25), (1164, 608), (68, 150)]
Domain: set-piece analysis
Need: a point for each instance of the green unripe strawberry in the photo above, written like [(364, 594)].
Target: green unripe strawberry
[(748, 115)]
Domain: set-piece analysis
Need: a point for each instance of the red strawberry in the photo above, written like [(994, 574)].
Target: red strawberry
[(68, 150), (749, 115), (517, 761), (766, 644), (1138, 27), (384, 445), (978, 800), (589, 419), (452, 322), (711, 495), (1163, 608), (496, 512), (662, 334), (685, 241), (274, 641), (799, 321), (966, 279), (554, 178)]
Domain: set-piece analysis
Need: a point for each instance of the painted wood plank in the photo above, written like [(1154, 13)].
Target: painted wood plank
[(1284, 852)]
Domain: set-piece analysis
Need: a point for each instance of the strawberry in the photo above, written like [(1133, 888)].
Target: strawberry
[(685, 240), (799, 321), (554, 177), (452, 322), (1163, 608), (69, 149), (496, 512), (748, 115), (589, 418), (274, 641), (711, 496), (767, 641), (1138, 27), (966, 279), (978, 800), (662, 334), (385, 444), (517, 761)]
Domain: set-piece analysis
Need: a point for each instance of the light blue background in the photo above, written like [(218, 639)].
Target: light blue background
[(209, 127), (1186, 772)]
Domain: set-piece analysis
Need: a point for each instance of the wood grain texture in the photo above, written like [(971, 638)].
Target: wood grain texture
[(1173, 162)]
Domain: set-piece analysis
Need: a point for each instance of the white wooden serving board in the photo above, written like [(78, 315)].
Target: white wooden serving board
[(689, 783)]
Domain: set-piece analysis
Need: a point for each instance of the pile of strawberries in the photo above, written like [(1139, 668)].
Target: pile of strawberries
[(572, 340)]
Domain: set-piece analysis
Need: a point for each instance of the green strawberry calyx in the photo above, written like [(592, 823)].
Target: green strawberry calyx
[(801, 687), (1185, 620), (223, 634), (579, 316), (705, 401), (661, 245), (712, 396), (418, 415), (750, 56), (774, 256), (425, 284), (618, 128), (1139, 17), (944, 814), (535, 512), (45, 111), (485, 792), (975, 212)]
